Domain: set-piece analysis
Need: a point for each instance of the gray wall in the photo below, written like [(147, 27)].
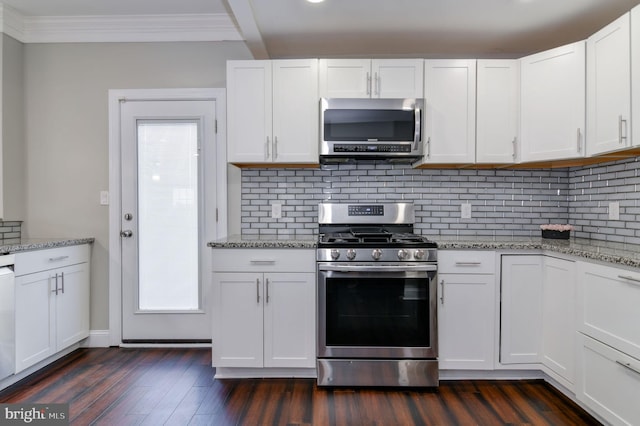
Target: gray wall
[(66, 136), (510, 203), (13, 147)]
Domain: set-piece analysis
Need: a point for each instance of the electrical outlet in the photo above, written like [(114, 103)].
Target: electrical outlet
[(465, 211), (614, 210), (276, 211), (104, 198)]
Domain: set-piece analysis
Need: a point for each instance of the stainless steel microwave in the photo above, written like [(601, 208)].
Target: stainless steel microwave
[(371, 129)]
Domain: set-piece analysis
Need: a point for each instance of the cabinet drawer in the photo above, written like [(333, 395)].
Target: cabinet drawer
[(608, 301), (41, 260), (608, 382), (264, 260), (466, 262)]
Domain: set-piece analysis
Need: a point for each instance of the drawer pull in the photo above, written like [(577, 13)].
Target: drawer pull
[(58, 259), (630, 278), (262, 262), (468, 263), (628, 366)]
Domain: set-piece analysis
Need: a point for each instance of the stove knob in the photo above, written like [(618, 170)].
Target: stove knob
[(402, 254), (376, 254), (335, 254), (419, 254), (351, 254)]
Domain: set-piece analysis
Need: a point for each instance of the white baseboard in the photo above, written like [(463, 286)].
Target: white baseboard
[(96, 339)]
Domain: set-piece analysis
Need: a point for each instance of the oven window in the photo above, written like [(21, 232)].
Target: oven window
[(377, 311), (367, 124)]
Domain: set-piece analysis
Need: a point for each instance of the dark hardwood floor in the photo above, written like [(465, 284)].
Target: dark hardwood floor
[(113, 386)]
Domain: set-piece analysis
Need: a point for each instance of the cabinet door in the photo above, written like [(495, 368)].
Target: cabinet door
[(609, 87), (553, 103), (466, 312), (607, 303), (295, 111), (290, 320), (498, 105), (635, 75), (72, 305), (521, 309), (450, 111), (237, 320), (608, 382), (397, 78), (35, 318), (249, 129), (558, 320), (345, 78)]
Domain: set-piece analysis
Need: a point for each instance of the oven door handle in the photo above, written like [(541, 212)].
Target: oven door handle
[(377, 268)]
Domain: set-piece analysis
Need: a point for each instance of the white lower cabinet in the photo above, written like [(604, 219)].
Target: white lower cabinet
[(52, 302), (608, 382), (466, 310), (558, 319), (521, 309), (265, 316)]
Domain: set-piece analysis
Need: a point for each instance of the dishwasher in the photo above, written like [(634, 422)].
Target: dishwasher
[(7, 316)]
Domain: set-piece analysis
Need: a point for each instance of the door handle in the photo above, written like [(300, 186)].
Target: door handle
[(126, 233)]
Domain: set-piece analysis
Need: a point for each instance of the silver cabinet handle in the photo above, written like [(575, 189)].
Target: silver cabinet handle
[(630, 278), (58, 259), (62, 279), (376, 82), (514, 144), (468, 263), (368, 84), (442, 292), (628, 366), (56, 290), (257, 290), (578, 139), (275, 147), (266, 149), (262, 261), (267, 284), (429, 147), (622, 137)]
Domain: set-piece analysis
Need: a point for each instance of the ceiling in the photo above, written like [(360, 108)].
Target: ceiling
[(373, 28)]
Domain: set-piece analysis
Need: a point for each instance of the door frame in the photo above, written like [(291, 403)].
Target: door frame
[(215, 207)]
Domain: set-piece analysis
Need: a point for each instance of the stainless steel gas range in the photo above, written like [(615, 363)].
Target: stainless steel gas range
[(376, 297)]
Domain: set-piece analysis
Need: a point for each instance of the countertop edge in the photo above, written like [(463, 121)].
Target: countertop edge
[(43, 243)]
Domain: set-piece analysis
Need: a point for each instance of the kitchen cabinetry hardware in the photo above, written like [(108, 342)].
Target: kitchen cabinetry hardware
[(514, 143), (579, 146), (267, 290), (58, 258), (468, 263), (126, 233), (628, 366), (442, 292), (62, 279), (275, 147), (376, 83), (630, 278), (620, 132), (56, 289), (266, 148), (429, 147), (262, 261), (257, 290), (368, 84)]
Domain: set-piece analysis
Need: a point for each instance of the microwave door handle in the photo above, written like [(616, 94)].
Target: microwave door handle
[(418, 128)]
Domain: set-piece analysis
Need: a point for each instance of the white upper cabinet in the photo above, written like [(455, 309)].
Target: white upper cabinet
[(450, 111), (497, 108), (367, 78), (553, 104), (609, 88), (272, 111), (635, 75)]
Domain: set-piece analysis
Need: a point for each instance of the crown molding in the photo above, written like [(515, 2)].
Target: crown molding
[(128, 28)]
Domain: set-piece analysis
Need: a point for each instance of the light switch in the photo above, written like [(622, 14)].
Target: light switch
[(104, 198)]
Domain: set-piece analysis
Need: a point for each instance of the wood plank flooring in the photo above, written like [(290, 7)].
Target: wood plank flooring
[(115, 386)]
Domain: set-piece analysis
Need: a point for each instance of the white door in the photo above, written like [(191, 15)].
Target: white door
[(163, 144)]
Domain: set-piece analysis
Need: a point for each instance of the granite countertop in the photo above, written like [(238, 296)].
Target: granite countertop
[(616, 253), (28, 244)]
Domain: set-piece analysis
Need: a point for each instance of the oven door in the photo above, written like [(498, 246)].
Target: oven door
[(385, 311)]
